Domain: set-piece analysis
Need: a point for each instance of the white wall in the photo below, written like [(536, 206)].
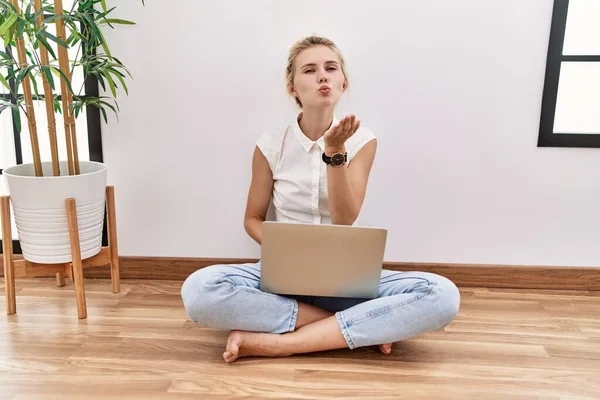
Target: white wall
[(452, 89)]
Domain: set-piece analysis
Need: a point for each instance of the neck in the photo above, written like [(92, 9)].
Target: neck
[(315, 122)]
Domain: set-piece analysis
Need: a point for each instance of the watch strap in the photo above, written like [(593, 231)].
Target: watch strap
[(327, 159)]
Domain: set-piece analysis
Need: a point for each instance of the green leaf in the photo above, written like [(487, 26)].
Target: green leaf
[(20, 27), (76, 35), (54, 70), (8, 5), (35, 86), (4, 106), (104, 114), (46, 9), (122, 83), (11, 73), (62, 74), (45, 43), (7, 40), (69, 19), (28, 9), (24, 72), (123, 67), (110, 105), (30, 56), (101, 81), (103, 3), (104, 14), (57, 106), (5, 82), (8, 23), (73, 27), (16, 119), (37, 15), (48, 74), (118, 21), (91, 24), (116, 72), (111, 83), (76, 109), (72, 41), (53, 38)]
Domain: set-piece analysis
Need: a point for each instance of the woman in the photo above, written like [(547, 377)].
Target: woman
[(316, 171)]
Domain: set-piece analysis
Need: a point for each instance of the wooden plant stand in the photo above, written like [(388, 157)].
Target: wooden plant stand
[(74, 270)]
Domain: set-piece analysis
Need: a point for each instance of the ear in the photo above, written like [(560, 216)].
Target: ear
[(292, 91), (345, 85)]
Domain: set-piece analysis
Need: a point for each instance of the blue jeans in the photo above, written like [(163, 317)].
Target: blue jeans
[(409, 303)]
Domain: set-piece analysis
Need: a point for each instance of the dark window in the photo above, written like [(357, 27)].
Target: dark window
[(570, 115)]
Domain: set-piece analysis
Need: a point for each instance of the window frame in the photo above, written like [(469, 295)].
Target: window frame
[(554, 60)]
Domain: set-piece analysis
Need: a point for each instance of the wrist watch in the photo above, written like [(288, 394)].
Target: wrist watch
[(336, 159)]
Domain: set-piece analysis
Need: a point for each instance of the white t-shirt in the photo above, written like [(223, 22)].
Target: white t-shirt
[(299, 173)]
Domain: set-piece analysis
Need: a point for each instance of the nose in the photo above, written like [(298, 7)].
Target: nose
[(323, 78)]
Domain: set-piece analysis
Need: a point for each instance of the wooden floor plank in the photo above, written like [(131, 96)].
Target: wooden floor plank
[(139, 344)]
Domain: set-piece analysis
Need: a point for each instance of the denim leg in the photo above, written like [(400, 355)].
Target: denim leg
[(409, 304), (228, 297)]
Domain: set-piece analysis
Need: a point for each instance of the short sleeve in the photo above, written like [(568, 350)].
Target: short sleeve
[(362, 136), (270, 145)]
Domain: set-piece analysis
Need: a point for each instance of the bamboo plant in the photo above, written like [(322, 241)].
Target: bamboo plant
[(24, 31)]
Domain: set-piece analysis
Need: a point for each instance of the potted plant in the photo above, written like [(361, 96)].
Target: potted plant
[(37, 35)]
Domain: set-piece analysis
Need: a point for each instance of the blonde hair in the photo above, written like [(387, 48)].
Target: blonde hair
[(304, 44)]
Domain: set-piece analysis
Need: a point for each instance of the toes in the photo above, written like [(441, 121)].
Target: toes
[(229, 357), (385, 348), (232, 348)]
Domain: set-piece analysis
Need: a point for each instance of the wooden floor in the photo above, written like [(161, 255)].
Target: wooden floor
[(138, 345)]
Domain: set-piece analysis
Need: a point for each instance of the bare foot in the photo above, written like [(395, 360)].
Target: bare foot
[(385, 348), (244, 344)]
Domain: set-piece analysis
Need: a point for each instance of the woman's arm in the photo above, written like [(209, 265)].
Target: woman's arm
[(259, 196), (347, 185)]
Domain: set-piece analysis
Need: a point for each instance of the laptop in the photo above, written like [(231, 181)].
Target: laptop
[(321, 260)]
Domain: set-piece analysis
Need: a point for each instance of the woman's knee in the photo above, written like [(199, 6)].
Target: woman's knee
[(447, 300), (198, 292)]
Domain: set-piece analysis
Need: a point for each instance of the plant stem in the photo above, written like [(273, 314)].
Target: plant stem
[(75, 60)]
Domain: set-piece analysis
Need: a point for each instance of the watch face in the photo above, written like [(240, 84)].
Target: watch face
[(338, 159)]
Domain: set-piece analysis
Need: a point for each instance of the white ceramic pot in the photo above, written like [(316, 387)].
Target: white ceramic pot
[(40, 210)]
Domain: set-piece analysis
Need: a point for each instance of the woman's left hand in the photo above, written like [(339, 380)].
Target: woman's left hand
[(337, 135)]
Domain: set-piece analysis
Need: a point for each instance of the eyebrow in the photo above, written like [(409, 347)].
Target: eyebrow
[(314, 65)]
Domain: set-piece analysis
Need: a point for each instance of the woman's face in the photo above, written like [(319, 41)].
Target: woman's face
[(319, 80)]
